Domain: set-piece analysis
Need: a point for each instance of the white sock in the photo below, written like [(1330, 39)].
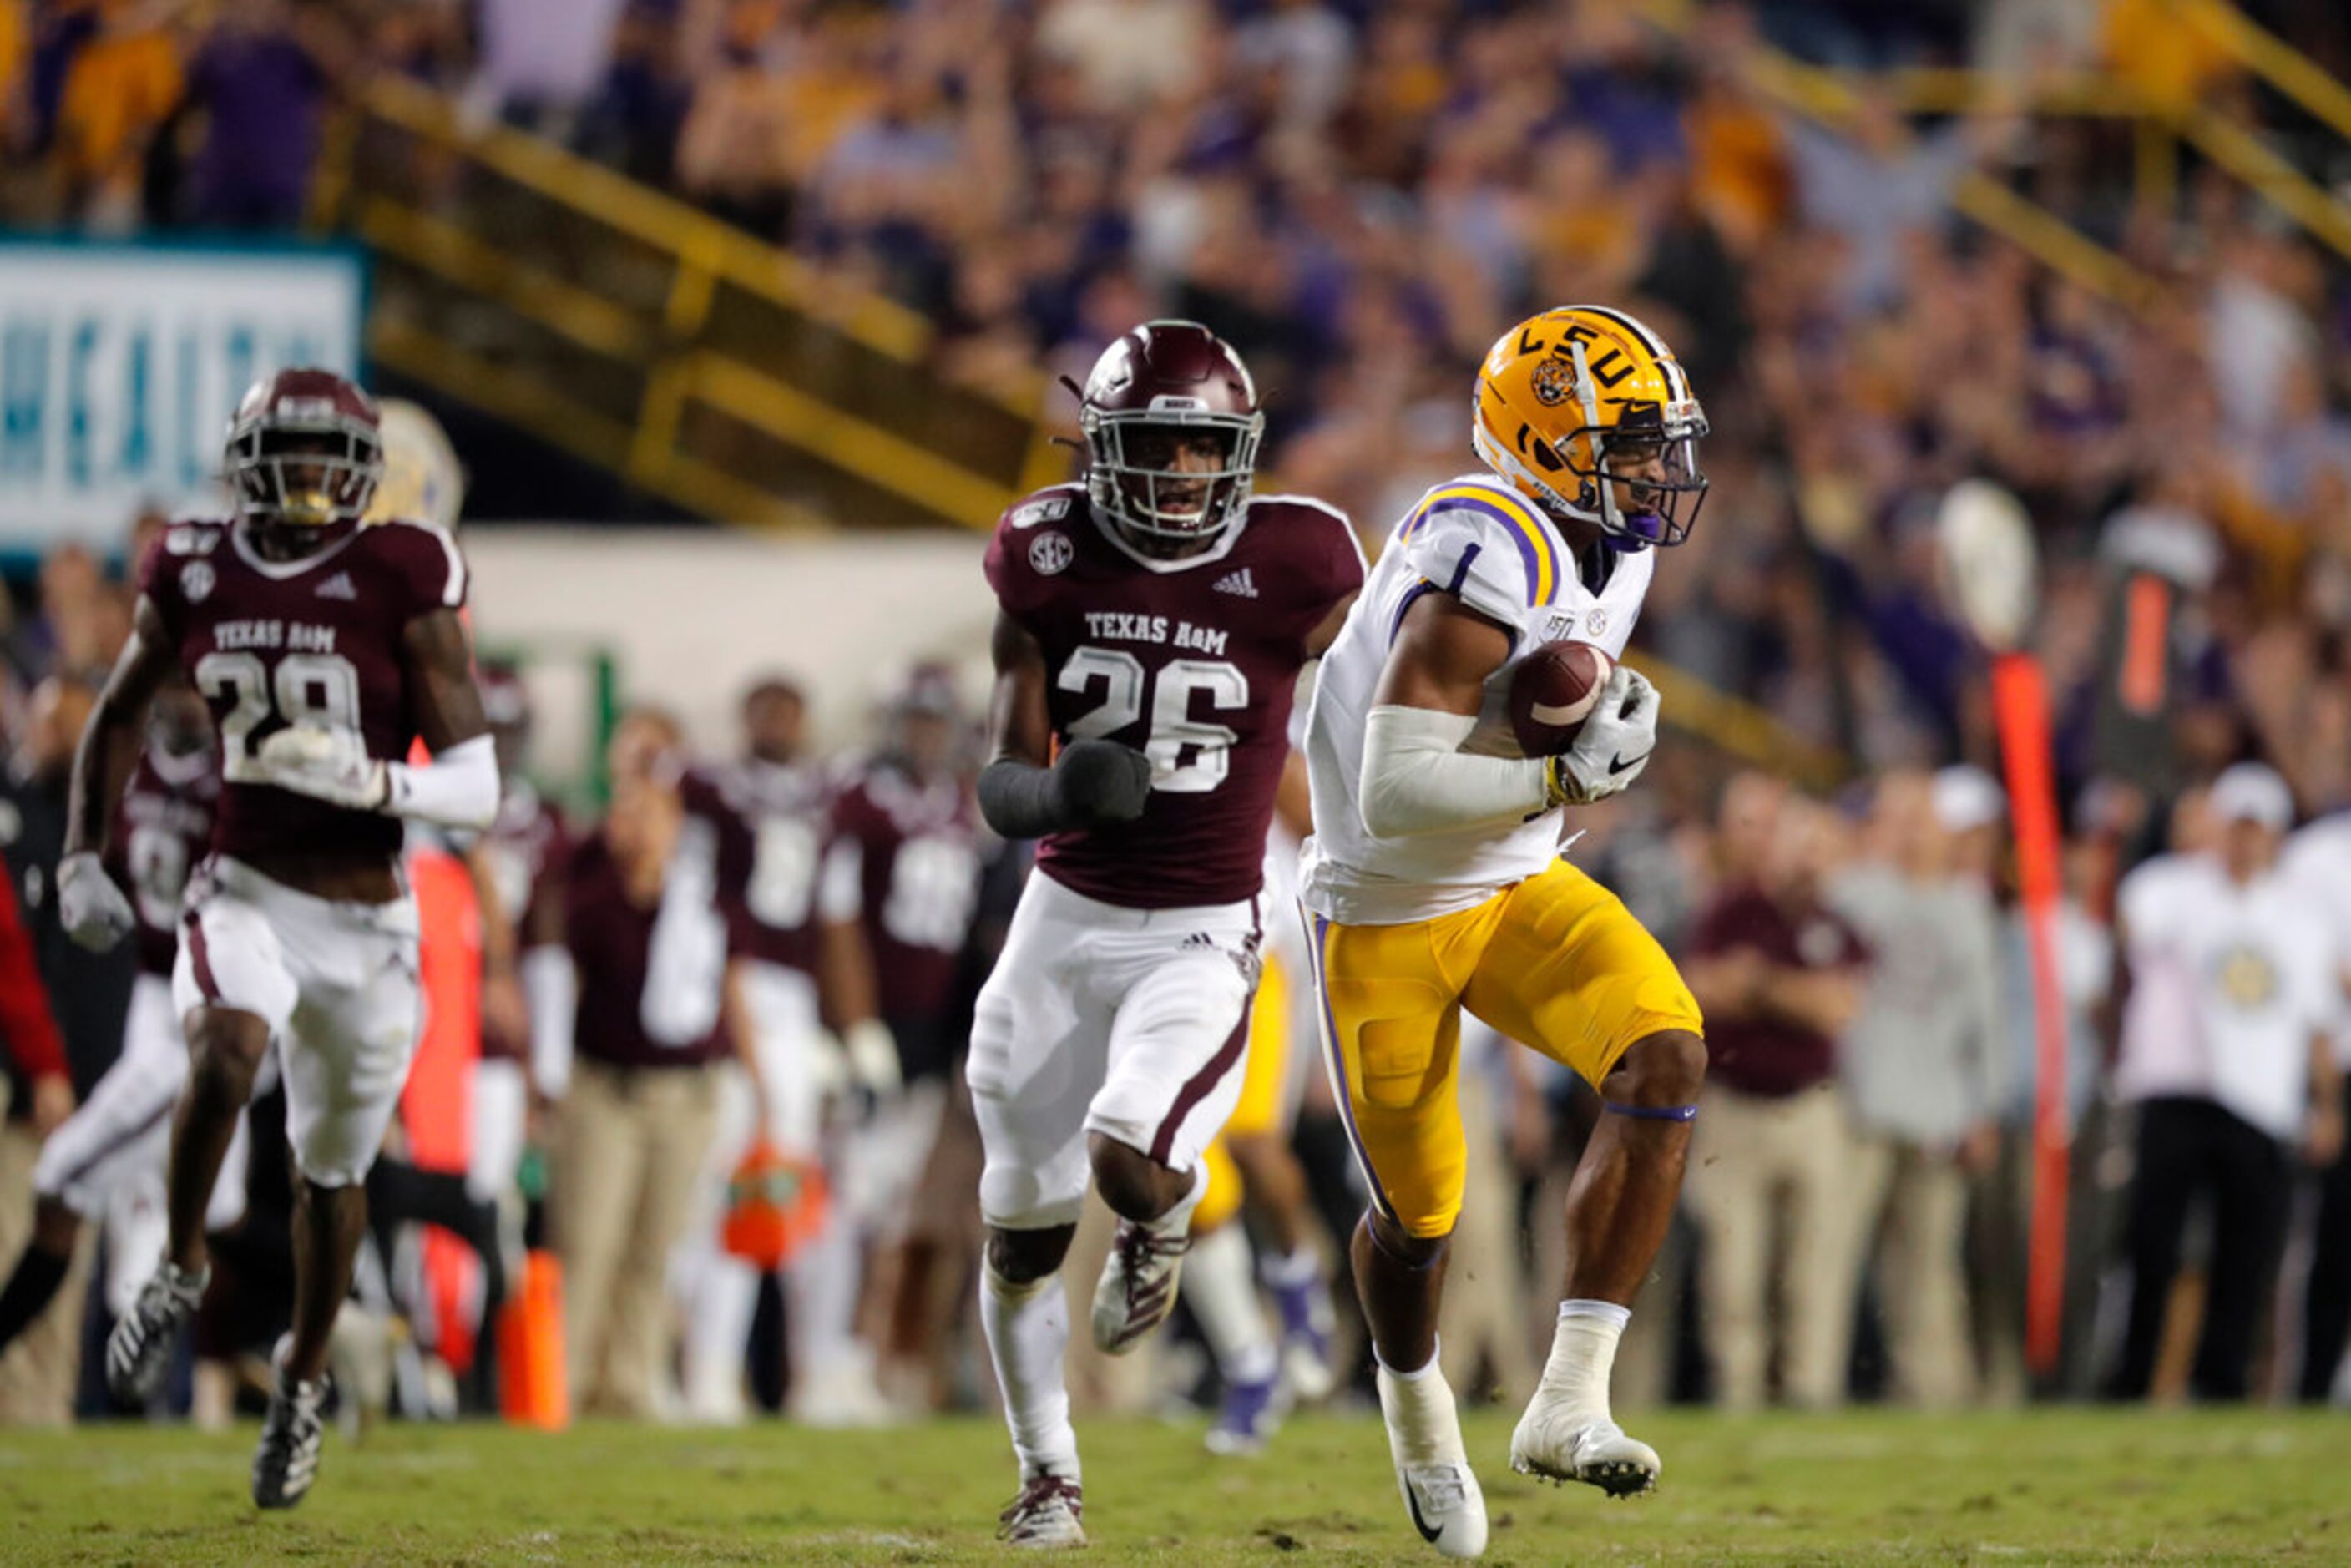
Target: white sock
[(1178, 1222), (1300, 1266), (1027, 1330), (1223, 1297), (1584, 1352), (1423, 1426)]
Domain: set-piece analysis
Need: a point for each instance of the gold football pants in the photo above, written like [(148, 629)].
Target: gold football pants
[(1555, 962)]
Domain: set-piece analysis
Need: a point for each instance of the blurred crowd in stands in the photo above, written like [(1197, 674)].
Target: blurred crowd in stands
[(1358, 195)]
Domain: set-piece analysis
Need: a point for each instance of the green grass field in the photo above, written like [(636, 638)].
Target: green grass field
[(2059, 1486)]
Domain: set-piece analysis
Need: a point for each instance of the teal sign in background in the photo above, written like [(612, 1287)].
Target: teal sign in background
[(119, 365)]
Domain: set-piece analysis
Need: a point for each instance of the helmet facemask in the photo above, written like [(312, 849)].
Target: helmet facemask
[(1659, 472), (1137, 473), (313, 471)]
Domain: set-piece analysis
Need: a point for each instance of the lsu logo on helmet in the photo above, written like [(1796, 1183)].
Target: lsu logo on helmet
[(1586, 411)]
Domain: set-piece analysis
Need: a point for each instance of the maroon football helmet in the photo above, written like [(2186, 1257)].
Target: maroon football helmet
[(1151, 395), (306, 447)]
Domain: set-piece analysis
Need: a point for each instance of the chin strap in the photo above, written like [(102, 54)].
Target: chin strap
[(1651, 1112)]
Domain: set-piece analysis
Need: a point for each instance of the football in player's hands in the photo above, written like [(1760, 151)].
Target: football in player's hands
[(310, 749), (1101, 782), (326, 764), (1552, 692)]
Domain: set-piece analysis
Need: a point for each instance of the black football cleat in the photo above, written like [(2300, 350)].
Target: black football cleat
[(139, 1351), (291, 1436)]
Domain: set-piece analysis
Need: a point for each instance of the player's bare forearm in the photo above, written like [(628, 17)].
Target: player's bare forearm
[(1294, 797), (1443, 655), (845, 987), (498, 921), (734, 1016), (1024, 792), (109, 747), (441, 665), (1019, 726)]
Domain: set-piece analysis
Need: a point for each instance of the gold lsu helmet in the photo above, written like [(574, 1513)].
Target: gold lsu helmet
[(1577, 401)]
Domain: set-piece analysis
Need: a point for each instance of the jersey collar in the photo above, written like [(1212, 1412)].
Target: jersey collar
[(1214, 552), (281, 571)]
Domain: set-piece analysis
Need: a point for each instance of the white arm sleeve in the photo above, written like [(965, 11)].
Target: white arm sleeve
[(458, 789), (1417, 780), (551, 986)]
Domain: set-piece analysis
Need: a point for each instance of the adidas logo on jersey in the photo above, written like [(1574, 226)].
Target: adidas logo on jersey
[(338, 586), (1238, 582)]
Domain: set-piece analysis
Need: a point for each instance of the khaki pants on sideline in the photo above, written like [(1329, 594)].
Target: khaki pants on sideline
[(39, 1373), (1911, 1213), (1757, 1165), (629, 1146)]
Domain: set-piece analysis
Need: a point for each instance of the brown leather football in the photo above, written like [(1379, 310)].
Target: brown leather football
[(1552, 694)]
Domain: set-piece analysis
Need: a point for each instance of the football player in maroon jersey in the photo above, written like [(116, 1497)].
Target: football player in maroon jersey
[(1151, 623), (326, 650), (119, 1135)]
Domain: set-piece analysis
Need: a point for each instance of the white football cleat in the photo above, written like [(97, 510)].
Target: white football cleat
[(1137, 1288), (1558, 1442), (1440, 1492)]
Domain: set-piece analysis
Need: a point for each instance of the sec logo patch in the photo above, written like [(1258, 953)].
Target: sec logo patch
[(1051, 553), (195, 581)]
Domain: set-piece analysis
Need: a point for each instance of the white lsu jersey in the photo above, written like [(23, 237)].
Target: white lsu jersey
[(1483, 542)]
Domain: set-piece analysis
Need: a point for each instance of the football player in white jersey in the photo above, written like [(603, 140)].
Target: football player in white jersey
[(1433, 880)]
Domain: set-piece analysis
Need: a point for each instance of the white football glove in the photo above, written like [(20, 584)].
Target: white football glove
[(93, 911), (873, 1053), (1614, 746), (329, 765)]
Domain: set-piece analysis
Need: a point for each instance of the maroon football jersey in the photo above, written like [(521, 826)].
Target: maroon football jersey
[(913, 849), (1193, 661), (611, 941), (316, 640), (161, 830), (771, 841)]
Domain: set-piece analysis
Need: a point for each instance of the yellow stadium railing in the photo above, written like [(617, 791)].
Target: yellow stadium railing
[(659, 380), (1741, 729), (2274, 60), (2245, 155)]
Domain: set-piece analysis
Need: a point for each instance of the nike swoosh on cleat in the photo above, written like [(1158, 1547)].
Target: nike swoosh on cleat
[(1618, 764), (1412, 1501)]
